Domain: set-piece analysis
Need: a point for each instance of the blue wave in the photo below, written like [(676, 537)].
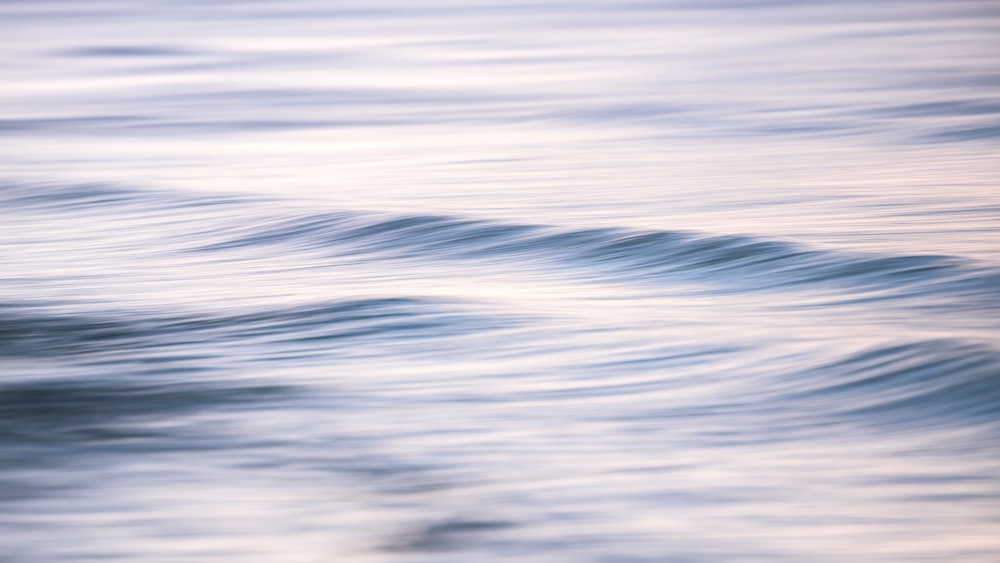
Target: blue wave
[(735, 262), (908, 385), (31, 331), (745, 262)]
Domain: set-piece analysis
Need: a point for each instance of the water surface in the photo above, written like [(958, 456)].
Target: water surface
[(499, 281)]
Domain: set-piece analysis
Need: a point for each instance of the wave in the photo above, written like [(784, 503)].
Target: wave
[(30, 331), (747, 262), (912, 384), (907, 386), (732, 262), (39, 413)]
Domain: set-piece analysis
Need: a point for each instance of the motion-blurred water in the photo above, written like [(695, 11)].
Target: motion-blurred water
[(478, 281)]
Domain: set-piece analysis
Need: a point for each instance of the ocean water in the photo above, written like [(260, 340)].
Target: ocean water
[(447, 281)]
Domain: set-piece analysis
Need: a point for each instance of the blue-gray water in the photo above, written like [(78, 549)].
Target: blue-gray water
[(477, 281)]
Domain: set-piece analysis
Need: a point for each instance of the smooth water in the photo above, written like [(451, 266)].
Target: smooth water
[(478, 281)]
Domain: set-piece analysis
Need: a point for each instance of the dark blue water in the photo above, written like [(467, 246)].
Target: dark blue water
[(454, 282)]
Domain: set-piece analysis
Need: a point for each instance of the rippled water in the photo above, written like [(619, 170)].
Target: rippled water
[(473, 281)]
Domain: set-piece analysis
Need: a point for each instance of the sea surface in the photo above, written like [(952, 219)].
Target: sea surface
[(477, 281)]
